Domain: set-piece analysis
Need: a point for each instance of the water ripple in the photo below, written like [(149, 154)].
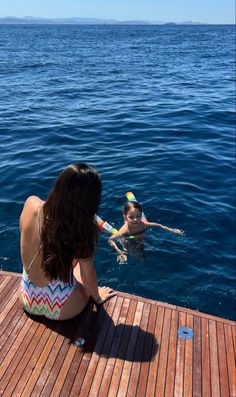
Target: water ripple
[(153, 108)]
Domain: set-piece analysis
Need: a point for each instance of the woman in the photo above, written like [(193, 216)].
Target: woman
[(57, 246)]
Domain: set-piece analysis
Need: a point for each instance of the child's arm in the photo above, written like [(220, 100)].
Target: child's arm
[(113, 244), (122, 255), (169, 229), (121, 232)]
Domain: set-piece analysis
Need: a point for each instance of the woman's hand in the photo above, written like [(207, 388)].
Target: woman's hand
[(105, 293)]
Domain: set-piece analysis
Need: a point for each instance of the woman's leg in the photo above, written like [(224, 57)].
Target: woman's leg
[(75, 303)]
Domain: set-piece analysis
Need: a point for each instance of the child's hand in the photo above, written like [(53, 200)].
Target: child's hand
[(122, 257), (178, 231)]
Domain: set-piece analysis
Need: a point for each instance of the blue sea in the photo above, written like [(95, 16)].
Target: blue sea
[(153, 109)]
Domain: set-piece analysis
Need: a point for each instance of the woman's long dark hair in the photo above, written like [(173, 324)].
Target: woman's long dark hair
[(69, 230)]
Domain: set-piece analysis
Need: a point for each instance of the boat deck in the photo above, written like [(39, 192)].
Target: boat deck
[(131, 348)]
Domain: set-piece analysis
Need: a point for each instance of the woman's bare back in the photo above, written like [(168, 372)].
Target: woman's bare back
[(30, 227)]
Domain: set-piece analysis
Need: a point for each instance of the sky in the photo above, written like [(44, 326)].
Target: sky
[(206, 11)]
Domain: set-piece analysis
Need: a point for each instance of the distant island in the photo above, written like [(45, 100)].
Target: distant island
[(84, 21)]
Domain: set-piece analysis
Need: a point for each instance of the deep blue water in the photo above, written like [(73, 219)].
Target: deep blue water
[(153, 109)]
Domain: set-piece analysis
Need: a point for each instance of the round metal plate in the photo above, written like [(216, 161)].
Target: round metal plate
[(185, 333), (80, 342)]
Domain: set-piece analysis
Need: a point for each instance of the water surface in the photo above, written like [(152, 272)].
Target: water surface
[(152, 108)]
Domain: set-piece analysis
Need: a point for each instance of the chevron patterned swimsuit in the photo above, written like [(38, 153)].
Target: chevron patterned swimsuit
[(47, 300)]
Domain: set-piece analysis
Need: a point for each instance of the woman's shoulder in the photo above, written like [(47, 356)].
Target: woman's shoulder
[(30, 209), (33, 201)]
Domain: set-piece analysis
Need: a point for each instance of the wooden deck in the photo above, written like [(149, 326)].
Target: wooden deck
[(131, 349)]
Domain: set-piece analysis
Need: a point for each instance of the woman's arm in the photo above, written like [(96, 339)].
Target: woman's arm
[(84, 272), (169, 229)]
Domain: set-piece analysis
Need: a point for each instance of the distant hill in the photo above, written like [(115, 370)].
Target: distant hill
[(82, 21)]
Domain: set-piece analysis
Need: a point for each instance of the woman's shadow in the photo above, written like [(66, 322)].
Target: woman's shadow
[(93, 330)]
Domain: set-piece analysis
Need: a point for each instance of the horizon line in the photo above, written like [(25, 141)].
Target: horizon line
[(143, 21)]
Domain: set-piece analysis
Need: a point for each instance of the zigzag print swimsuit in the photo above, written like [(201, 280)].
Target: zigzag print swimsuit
[(48, 300)]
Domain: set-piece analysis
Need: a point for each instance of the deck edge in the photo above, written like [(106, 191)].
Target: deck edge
[(154, 302)]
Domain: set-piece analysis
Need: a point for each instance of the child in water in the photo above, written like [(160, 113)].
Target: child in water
[(134, 227)]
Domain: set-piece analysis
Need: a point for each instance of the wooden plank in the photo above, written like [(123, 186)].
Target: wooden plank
[(50, 350), (2, 277), (179, 369), (8, 286), (60, 357), (214, 363), (230, 359), (12, 274), (115, 380), (224, 382), (97, 363), (206, 378), (4, 282), (197, 358), (154, 364), (197, 313), (10, 335), (56, 391), (101, 365), (7, 279), (149, 352), (105, 321), (84, 323), (124, 381), (43, 368), (171, 363), (188, 365), (138, 354), (104, 387), (14, 356), (146, 300), (27, 362), (7, 293), (8, 306), (10, 346), (7, 325), (234, 339), (161, 375)]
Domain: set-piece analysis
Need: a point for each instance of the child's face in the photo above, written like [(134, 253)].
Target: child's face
[(133, 216)]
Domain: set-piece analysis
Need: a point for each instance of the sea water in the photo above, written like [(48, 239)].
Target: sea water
[(153, 109)]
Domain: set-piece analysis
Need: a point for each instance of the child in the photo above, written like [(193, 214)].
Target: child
[(134, 227)]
